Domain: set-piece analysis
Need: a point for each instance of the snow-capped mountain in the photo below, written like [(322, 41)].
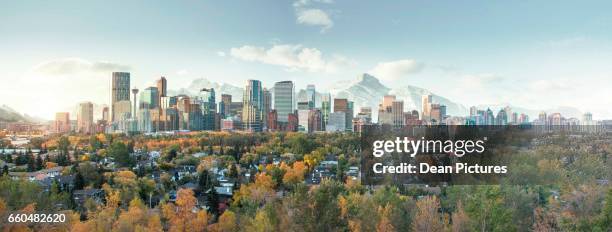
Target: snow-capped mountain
[(220, 88), (367, 91)]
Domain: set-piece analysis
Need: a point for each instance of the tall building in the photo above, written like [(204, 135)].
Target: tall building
[(252, 106), (267, 106), (315, 120), (149, 98), (162, 87), (303, 120), (343, 105), (311, 95), (272, 121), (62, 122), (105, 114), (336, 122), (426, 101), (391, 112), (209, 109), (85, 118), (224, 105), (284, 97), (120, 91), (325, 107)]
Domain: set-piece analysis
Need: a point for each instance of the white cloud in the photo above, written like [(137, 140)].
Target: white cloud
[(68, 66), (479, 80), (314, 17), (395, 70), (292, 57)]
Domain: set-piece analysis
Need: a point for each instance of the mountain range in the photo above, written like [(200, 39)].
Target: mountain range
[(8, 114)]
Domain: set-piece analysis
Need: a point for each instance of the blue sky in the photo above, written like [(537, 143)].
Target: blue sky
[(536, 54)]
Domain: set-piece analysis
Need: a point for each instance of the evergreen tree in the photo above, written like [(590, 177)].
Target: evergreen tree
[(212, 201), (39, 162), (79, 181)]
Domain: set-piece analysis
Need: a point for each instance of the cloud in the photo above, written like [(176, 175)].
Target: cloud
[(313, 16), (480, 80), (69, 66), (221, 53), (395, 70), (293, 57)]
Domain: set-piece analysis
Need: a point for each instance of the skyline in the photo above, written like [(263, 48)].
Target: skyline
[(531, 55)]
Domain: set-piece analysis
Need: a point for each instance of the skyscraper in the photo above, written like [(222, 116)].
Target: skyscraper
[(162, 87), (311, 95), (149, 98), (284, 99), (85, 118), (426, 107), (325, 108), (224, 105), (209, 109), (120, 91), (252, 106), (343, 105), (267, 106)]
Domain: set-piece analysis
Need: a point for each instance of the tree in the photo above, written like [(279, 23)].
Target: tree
[(212, 201), (461, 221), (227, 222), (120, 152), (79, 181), (427, 217), (384, 224)]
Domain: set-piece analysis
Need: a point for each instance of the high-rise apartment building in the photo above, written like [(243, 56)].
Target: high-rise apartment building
[(284, 97), (85, 118), (267, 106), (120, 91)]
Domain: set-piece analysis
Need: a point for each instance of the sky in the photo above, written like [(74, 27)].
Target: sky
[(532, 54)]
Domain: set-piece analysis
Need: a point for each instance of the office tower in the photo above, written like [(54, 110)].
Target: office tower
[(284, 94), (315, 120), (209, 109), (252, 106), (473, 111), (105, 114), (587, 117), (391, 112), (120, 91), (85, 118), (183, 106), (311, 95), (502, 118), (325, 107), (489, 118), (267, 106), (62, 122), (542, 118), (556, 119), (426, 101), (303, 120), (343, 105), (195, 119), (162, 87), (336, 122), (149, 98), (224, 105), (272, 120), (436, 113), (168, 102)]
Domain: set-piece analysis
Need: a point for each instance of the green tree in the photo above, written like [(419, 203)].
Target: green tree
[(120, 152)]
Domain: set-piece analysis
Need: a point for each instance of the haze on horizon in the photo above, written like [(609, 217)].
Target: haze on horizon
[(536, 55)]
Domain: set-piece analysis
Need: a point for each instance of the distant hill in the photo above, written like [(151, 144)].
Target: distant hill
[(8, 114)]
